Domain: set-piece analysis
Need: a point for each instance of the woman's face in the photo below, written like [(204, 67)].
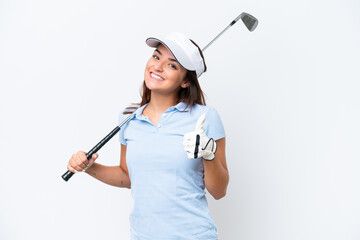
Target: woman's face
[(163, 74)]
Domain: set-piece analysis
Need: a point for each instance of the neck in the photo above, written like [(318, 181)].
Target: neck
[(160, 103)]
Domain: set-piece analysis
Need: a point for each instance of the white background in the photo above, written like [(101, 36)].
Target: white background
[(288, 95)]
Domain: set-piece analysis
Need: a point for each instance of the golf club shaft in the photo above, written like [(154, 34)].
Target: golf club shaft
[(222, 32)]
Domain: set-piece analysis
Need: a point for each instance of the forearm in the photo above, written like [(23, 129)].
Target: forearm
[(112, 175), (216, 178)]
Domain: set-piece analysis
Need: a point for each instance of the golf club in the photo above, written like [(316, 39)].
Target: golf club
[(249, 21)]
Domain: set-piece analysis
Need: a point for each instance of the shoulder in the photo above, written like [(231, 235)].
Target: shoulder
[(122, 117), (213, 124), (203, 109), (132, 109), (212, 115)]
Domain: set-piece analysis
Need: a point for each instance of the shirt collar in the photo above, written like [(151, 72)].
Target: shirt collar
[(181, 106), (139, 111)]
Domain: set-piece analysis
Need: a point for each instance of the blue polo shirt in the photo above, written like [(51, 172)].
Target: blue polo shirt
[(168, 188)]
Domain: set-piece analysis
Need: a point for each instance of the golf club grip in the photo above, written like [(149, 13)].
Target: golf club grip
[(66, 176)]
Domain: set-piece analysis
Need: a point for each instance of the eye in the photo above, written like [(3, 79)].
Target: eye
[(172, 66), (156, 57)]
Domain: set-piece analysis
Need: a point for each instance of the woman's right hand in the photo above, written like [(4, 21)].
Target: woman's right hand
[(79, 163)]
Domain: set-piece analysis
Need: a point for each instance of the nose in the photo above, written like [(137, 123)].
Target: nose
[(159, 66)]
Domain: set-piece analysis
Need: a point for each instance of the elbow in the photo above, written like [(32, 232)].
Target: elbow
[(222, 193), (218, 193), (219, 196)]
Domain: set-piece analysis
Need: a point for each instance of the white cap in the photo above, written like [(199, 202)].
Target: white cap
[(185, 52)]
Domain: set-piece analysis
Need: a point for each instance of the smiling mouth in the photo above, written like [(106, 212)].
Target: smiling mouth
[(157, 77)]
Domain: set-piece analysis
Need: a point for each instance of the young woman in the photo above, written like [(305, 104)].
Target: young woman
[(172, 148)]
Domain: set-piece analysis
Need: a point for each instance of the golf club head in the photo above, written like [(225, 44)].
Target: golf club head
[(250, 21)]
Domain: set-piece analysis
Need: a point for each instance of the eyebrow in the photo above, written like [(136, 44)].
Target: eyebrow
[(171, 59)]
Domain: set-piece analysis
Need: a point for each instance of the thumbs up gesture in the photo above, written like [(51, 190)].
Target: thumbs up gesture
[(197, 144)]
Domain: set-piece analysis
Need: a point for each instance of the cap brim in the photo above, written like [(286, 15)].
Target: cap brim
[(153, 42)]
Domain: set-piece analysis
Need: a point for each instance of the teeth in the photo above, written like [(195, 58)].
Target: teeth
[(156, 76)]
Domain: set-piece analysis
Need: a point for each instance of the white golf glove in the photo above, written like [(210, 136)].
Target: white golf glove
[(197, 144)]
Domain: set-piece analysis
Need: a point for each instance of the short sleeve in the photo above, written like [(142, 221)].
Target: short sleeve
[(213, 125), (122, 117)]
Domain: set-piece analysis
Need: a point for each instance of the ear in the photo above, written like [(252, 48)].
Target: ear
[(185, 84)]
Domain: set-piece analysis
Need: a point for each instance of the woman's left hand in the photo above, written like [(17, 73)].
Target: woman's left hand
[(197, 144)]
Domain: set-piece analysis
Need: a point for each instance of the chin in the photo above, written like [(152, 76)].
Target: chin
[(148, 84)]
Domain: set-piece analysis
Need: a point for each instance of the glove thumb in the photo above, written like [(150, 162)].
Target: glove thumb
[(200, 123)]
